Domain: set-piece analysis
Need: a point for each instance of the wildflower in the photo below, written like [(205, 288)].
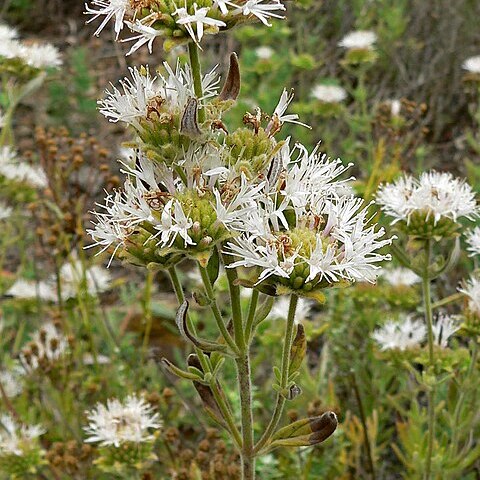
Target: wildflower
[(5, 211), (7, 33), (11, 381), (40, 55), (46, 347), (110, 9), (400, 277), (472, 64), (223, 5), (444, 327), (279, 117), (359, 40), (200, 18), (430, 205), (395, 107), (119, 422), (264, 52), (12, 169), (17, 440), (473, 241), (146, 35), (28, 289), (402, 335), (329, 93), (471, 289), (262, 10)]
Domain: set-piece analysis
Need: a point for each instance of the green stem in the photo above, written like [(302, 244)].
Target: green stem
[(245, 388), (427, 299), (287, 346), (197, 77), (234, 290), (251, 315), (216, 311), (147, 309)]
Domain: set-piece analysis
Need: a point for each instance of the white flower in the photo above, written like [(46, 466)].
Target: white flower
[(15, 439), (473, 241), (110, 9), (28, 289), (5, 211), (281, 306), (11, 382), (264, 52), (472, 64), (47, 345), (40, 55), (12, 169), (146, 35), (401, 335), (443, 329), (118, 422), (261, 9), (360, 39), (279, 117), (436, 195), (200, 18), (395, 107), (222, 5), (7, 33), (400, 277), (471, 289), (329, 93)]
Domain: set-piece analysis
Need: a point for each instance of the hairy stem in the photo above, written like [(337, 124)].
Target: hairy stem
[(287, 346), (427, 299)]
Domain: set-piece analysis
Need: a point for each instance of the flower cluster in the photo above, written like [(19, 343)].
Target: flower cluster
[(400, 277), (179, 23), (46, 347), (20, 452), (428, 206), (23, 55), (409, 333), (472, 65), (276, 208), (11, 381), (329, 93), (119, 422), (17, 171), (471, 289), (473, 241)]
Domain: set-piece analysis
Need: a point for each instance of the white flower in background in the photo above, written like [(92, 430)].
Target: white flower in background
[(471, 289), (443, 329), (262, 9), (7, 33), (281, 306), (436, 195), (395, 107), (360, 39), (329, 93), (473, 241), (200, 18), (5, 211), (110, 9), (29, 289), (400, 277), (16, 439), (89, 359), (264, 52), (12, 169), (47, 345), (40, 55), (11, 381), (401, 335), (472, 64), (146, 35), (118, 422)]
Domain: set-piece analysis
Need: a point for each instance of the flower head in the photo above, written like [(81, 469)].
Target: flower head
[(281, 305), (11, 381), (16, 439), (109, 9), (200, 20), (472, 64), (262, 9), (473, 241), (401, 335), (400, 277), (430, 205), (12, 169), (40, 55), (444, 327), (471, 289), (119, 422), (329, 93), (360, 39)]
